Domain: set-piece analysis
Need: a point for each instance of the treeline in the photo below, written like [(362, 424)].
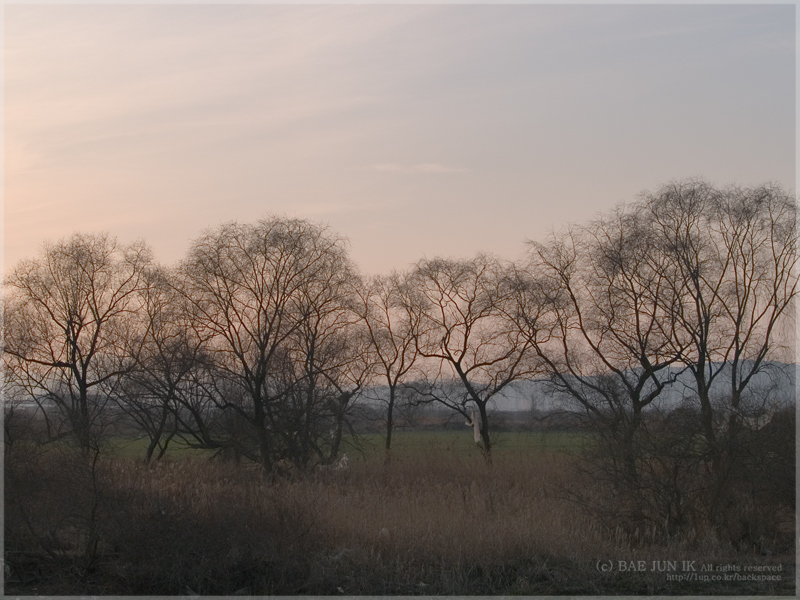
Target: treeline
[(259, 341)]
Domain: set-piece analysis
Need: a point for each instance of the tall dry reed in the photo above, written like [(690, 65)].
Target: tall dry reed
[(434, 522)]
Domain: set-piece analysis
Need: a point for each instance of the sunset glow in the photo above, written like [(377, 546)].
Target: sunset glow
[(411, 130)]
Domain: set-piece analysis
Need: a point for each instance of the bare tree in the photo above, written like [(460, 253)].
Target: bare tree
[(731, 258), (65, 324), (327, 364), (464, 333), (592, 302), (169, 352), (391, 335), (345, 378), (690, 278), (755, 231), (592, 305), (247, 284)]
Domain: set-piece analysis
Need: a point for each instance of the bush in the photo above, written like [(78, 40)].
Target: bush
[(665, 482)]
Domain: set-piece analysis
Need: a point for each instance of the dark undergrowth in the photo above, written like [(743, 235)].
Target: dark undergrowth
[(427, 524)]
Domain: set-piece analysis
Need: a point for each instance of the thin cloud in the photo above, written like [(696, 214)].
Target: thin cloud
[(421, 168)]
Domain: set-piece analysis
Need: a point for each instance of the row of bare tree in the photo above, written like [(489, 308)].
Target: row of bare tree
[(259, 342), (690, 279)]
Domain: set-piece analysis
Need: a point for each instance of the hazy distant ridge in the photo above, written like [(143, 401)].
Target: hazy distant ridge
[(776, 383)]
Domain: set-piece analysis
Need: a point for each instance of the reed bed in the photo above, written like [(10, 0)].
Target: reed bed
[(432, 522)]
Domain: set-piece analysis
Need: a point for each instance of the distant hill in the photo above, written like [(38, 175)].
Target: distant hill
[(775, 383)]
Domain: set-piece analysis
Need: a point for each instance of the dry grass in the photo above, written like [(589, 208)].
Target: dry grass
[(434, 522)]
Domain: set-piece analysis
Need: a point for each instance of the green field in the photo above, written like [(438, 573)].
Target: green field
[(409, 444), (137, 448), (413, 443)]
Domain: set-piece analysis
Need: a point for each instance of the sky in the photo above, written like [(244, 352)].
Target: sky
[(412, 130)]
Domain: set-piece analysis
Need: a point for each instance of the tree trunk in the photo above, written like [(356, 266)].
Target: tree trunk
[(81, 422), (337, 437), (487, 444), (389, 421), (262, 436)]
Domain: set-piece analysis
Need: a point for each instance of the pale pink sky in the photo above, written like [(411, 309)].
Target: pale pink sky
[(414, 130)]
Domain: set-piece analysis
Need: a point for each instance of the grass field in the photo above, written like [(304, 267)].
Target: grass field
[(436, 520), (408, 443), (137, 448), (405, 444)]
